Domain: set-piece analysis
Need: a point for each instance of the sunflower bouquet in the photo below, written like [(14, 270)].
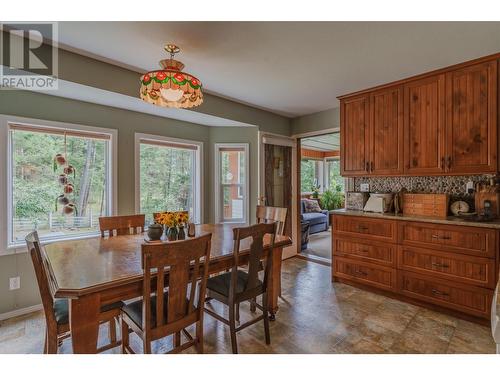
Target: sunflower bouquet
[(175, 222)]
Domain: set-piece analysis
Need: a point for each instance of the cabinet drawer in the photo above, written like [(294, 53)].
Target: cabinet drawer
[(365, 250), (453, 238), (464, 298), (366, 273), (455, 267), (368, 228)]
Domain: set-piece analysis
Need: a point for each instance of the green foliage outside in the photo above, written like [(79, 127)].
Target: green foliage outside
[(166, 179), (332, 199), (307, 175), (35, 185)]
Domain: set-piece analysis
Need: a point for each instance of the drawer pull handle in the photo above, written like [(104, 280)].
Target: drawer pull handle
[(364, 249), (439, 293), (441, 265), (361, 273), (436, 237), (362, 227)]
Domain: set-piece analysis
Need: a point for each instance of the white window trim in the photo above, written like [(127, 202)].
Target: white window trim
[(217, 188), (198, 177), (5, 174)]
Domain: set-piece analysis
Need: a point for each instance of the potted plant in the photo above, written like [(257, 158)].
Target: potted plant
[(333, 199)]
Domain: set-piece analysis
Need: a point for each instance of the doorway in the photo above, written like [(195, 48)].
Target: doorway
[(321, 190), (277, 187)]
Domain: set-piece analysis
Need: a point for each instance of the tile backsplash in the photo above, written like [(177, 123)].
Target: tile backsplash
[(452, 185)]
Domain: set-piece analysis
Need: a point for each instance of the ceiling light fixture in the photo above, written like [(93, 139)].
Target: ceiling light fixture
[(169, 86)]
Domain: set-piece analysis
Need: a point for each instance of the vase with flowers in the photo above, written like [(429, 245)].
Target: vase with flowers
[(169, 220), (182, 220)]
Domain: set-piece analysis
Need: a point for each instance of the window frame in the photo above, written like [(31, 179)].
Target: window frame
[(198, 167), (219, 217), (327, 171), (6, 246)]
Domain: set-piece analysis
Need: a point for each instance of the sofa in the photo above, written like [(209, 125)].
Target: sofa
[(318, 221)]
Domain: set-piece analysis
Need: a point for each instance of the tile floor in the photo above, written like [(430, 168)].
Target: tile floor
[(320, 245), (315, 316)]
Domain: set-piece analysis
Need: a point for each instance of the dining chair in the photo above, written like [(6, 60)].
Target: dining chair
[(232, 288), (162, 312), (122, 224), (268, 214), (57, 310)]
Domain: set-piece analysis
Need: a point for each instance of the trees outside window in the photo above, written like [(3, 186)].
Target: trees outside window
[(169, 178), (34, 186)]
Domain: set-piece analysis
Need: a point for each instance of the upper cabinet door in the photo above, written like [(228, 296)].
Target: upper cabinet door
[(387, 132), (471, 123), (424, 129), (354, 132)]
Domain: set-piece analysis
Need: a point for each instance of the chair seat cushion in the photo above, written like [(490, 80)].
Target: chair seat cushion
[(221, 283), (134, 310), (61, 309), (315, 218)]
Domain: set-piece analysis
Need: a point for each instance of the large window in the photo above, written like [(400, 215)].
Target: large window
[(169, 176), (311, 175), (33, 184), (334, 180), (231, 190)]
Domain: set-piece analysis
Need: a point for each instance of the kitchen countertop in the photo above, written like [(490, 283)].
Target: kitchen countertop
[(495, 224)]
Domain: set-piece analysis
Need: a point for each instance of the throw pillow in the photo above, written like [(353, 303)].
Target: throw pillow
[(311, 205)]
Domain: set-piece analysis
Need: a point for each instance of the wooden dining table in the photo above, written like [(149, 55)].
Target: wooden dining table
[(97, 271)]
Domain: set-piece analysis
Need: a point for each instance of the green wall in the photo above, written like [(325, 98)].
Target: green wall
[(324, 120)]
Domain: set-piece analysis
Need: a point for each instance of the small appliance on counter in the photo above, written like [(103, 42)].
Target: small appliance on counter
[(379, 202), (355, 200)]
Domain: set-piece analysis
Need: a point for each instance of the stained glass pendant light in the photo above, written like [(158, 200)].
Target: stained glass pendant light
[(170, 86)]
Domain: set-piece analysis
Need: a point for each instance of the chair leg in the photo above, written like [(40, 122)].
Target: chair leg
[(177, 339), (266, 318), (232, 328), (253, 304), (45, 342), (52, 343), (125, 337), (112, 331), (237, 312), (199, 336), (146, 341)]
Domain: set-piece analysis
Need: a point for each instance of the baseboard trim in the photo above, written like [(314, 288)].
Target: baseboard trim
[(19, 312)]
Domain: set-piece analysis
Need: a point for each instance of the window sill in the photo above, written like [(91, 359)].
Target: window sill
[(20, 248)]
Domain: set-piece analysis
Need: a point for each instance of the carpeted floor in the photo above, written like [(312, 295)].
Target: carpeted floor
[(320, 245)]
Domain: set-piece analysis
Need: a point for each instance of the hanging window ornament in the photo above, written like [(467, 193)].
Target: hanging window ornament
[(69, 207)]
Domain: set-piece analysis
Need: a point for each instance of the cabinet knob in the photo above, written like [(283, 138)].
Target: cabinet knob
[(439, 293)]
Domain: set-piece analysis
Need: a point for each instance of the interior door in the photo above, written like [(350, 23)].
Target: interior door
[(354, 136), (424, 128), (386, 146), (471, 129), (277, 181)]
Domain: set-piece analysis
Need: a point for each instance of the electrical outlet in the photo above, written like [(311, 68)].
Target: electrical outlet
[(14, 283), (365, 187)]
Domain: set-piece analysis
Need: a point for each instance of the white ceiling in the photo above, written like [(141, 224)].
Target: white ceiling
[(291, 68), (326, 142)]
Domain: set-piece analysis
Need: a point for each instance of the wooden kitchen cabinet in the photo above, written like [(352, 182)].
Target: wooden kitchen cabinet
[(471, 124), (424, 126), (386, 130), (439, 123), (355, 123)]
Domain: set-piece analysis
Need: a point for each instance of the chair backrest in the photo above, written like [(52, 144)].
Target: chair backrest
[(257, 233), (187, 263), (44, 277), (122, 224), (267, 214)]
